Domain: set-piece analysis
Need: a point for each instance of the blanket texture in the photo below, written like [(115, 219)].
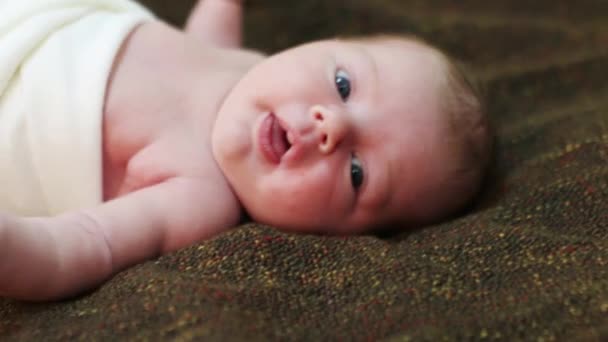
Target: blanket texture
[(529, 261)]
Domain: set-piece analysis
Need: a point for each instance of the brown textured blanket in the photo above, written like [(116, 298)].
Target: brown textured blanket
[(529, 261)]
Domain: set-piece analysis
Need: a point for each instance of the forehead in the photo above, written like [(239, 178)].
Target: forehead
[(408, 68), (395, 80), (403, 122)]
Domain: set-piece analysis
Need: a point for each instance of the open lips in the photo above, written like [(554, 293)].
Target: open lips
[(275, 140)]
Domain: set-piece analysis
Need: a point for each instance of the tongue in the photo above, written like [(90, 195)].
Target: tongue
[(279, 145)]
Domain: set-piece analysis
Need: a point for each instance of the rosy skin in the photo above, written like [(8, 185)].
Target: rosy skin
[(389, 128), (181, 135), (217, 23), (162, 188)]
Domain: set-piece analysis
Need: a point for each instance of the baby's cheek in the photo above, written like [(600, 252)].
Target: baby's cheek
[(302, 199)]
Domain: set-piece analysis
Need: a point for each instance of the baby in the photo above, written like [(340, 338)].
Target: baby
[(122, 138)]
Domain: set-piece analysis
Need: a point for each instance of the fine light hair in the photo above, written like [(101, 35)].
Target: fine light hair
[(468, 135)]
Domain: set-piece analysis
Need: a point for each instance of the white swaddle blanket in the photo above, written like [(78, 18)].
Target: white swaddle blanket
[(55, 59)]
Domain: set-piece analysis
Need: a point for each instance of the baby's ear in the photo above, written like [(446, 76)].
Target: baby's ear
[(217, 23)]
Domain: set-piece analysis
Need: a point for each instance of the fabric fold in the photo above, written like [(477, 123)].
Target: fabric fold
[(59, 55)]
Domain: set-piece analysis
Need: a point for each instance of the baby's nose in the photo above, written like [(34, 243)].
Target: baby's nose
[(331, 126)]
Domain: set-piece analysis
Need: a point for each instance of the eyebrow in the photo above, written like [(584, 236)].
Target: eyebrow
[(387, 194), (371, 62), (380, 193), (379, 190)]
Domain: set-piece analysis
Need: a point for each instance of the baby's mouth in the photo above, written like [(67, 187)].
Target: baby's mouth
[(274, 139)]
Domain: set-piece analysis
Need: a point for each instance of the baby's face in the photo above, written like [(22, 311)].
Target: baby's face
[(334, 136)]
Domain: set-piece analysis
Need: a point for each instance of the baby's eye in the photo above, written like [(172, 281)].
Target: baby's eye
[(356, 172), (342, 84)]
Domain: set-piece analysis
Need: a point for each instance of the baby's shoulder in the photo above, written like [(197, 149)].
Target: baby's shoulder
[(163, 159)]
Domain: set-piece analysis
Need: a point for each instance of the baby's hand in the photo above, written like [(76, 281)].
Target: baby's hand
[(217, 23)]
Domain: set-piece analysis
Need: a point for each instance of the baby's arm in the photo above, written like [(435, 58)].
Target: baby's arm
[(50, 258), (217, 22)]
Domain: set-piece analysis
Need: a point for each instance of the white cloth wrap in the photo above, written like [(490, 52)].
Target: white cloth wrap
[(55, 60)]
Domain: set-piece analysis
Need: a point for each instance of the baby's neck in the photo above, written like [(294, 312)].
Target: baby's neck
[(162, 80)]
